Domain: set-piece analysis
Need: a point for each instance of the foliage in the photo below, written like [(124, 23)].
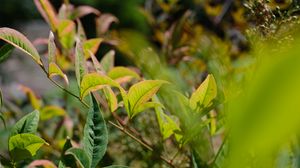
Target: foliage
[(193, 99)]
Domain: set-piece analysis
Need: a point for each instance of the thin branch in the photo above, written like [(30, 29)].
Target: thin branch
[(124, 130)]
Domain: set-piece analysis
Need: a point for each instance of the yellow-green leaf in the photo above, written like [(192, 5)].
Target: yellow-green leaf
[(5, 51), (48, 12), (166, 124), (54, 70), (23, 146), (80, 68), (107, 61), (18, 40), (34, 100), (143, 107), (91, 45), (51, 48), (111, 98), (141, 92), (94, 81), (205, 94), (49, 112), (66, 33), (120, 73)]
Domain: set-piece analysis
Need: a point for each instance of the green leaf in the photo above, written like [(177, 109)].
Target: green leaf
[(205, 94), (141, 92), (166, 124), (116, 166), (48, 12), (27, 124), (23, 146), (66, 160), (94, 81), (18, 40), (54, 70), (95, 136), (81, 157), (5, 51), (49, 112), (119, 73), (66, 33), (91, 45), (80, 68), (108, 60), (1, 99), (111, 98)]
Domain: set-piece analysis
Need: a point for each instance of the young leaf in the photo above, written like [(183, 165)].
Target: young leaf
[(51, 48), (91, 45), (96, 63), (23, 146), (43, 163), (84, 10), (54, 70), (80, 68), (144, 106), (5, 51), (49, 112), (81, 157), (34, 100), (80, 31), (94, 81), (141, 92), (166, 124), (95, 136), (48, 12), (66, 33), (18, 40), (108, 60), (205, 93), (111, 98), (27, 124), (103, 23), (119, 73)]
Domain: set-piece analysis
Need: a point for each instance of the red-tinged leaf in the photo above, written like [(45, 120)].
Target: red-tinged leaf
[(91, 45), (80, 31), (44, 163), (48, 12), (104, 21), (98, 67), (85, 10), (18, 40)]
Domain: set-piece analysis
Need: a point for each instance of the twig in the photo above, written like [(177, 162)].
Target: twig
[(124, 130)]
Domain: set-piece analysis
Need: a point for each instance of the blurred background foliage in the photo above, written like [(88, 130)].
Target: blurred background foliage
[(182, 41)]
